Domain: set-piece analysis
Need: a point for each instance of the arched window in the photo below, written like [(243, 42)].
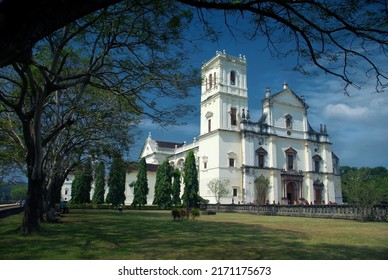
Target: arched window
[(232, 78), (210, 80), (288, 119)]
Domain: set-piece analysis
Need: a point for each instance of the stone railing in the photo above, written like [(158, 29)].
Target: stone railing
[(313, 211)]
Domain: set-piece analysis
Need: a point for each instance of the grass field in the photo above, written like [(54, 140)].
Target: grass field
[(107, 234)]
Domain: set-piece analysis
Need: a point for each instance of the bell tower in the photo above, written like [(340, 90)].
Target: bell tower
[(224, 102), (223, 93)]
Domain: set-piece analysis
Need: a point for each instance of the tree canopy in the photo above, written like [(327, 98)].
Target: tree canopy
[(346, 39), (338, 37), (122, 59)]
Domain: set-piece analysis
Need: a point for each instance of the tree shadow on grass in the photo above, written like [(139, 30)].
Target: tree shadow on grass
[(103, 234)]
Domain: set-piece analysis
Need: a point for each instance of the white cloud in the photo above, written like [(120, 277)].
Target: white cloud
[(345, 112)]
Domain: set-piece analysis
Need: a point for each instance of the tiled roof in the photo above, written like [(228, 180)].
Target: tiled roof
[(170, 145)]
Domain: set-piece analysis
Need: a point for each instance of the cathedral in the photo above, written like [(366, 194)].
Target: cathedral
[(281, 146)]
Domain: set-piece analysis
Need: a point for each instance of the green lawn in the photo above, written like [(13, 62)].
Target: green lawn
[(107, 234)]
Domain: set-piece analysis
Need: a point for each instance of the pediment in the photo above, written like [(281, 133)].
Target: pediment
[(287, 96), (147, 150), (317, 158), (290, 150), (261, 150)]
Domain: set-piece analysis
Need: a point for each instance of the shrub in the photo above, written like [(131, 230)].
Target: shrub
[(195, 213)]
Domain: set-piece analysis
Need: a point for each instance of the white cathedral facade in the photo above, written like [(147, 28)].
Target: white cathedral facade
[(280, 145)]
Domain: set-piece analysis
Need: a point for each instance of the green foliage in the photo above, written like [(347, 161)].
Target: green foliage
[(218, 188), (141, 185), (195, 213), (190, 196), (116, 182), (261, 189), (82, 183), (364, 187), (99, 189), (163, 188), (176, 187), (18, 191)]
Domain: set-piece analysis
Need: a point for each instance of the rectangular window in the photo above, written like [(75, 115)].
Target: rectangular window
[(261, 161), (290, 162), (231, 162), (204, 165), (234, 192), (209, 125), (316, 167), (233, 116)]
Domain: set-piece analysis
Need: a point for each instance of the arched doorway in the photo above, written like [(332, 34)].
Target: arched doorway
[(291, 193)]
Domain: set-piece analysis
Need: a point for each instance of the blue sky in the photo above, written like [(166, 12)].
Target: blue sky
[(356, 124)]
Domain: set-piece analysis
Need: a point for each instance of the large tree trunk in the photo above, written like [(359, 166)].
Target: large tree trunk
[(54, 192), (33, 140), (33, 208)]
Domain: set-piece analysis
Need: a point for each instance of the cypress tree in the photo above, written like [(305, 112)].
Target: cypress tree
[(116, 182), (176, 187), (141, 185), (162, 196), (86, 185), (76, 185), (190, 195), (82, 183), (99, 190)]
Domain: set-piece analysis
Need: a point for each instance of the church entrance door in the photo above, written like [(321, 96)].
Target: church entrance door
[(291, 193), (318, 196)]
